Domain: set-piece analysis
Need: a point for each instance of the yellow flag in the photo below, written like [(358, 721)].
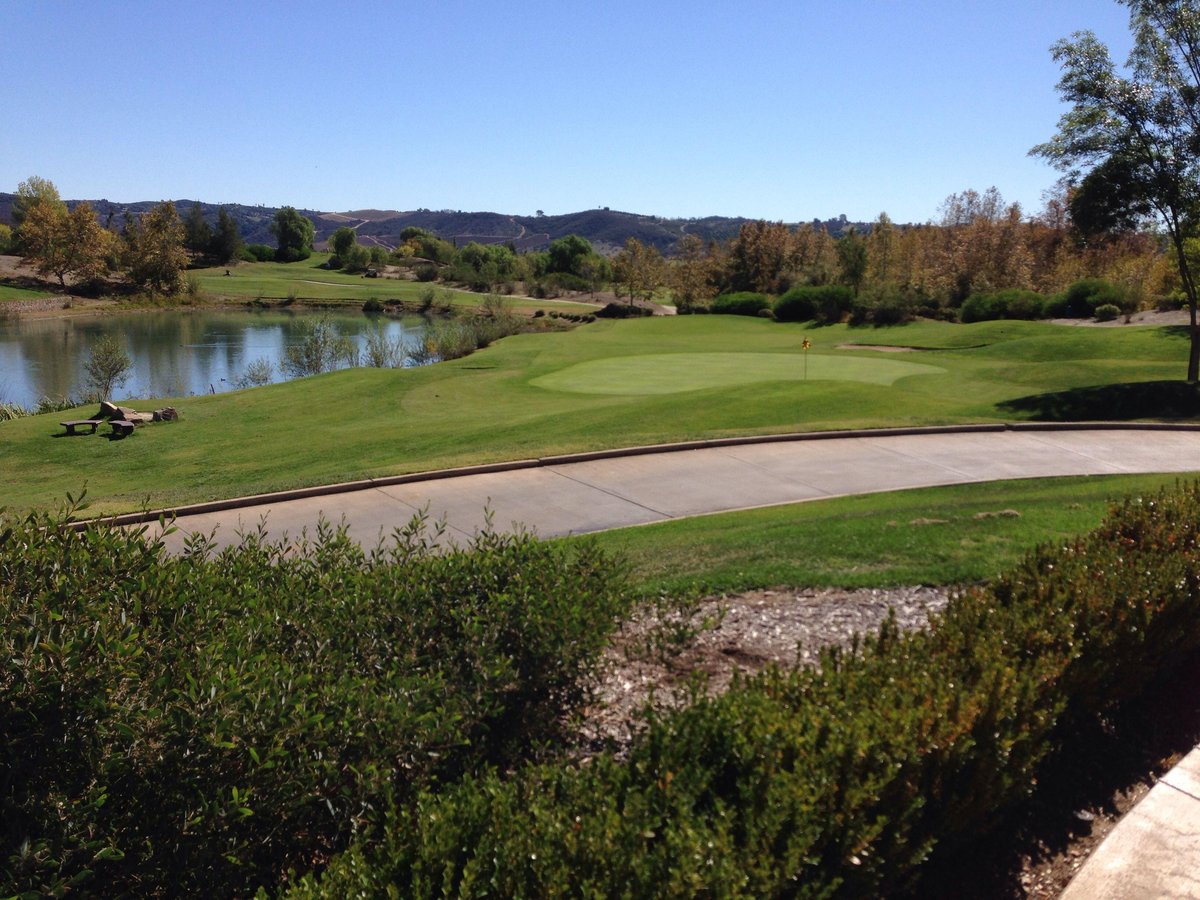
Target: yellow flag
[(806, 344)]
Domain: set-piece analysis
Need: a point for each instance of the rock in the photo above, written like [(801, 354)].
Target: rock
[(166, 414), (108, 410)]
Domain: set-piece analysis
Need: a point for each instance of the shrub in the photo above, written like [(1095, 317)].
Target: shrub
[(1106, 312), (1079, 301), (197, 725), (372, 306), (259, 253), (1008, 304), (622, 311), (820, 303), (744, 303), (843, 780)]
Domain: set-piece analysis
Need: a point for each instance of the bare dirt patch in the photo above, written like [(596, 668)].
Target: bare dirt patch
[(755, 630)]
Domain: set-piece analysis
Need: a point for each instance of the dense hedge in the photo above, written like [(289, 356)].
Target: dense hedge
[(201, 724), (821, 303), (743, 303), (838, 781), (1009, 304)]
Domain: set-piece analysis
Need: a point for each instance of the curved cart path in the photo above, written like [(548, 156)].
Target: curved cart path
[(595, 492)]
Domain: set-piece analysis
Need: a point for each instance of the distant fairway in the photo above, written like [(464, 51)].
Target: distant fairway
[(672, 373)]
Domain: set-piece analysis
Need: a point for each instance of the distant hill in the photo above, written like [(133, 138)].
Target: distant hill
[(606, 229)]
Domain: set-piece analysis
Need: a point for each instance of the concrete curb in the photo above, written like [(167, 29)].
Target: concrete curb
[(1153, 849), (323, 490)]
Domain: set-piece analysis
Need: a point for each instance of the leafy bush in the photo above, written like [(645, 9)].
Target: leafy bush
[(1079, 301), (623, 311), (840, 780), (1106, 312), (197, 725), (820, 303), (1008, 304), (259, 253), (743, 303)]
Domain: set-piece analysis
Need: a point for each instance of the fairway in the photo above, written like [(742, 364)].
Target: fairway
[(606, 384), (673, 373)]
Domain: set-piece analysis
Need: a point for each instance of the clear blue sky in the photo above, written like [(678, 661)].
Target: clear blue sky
[(779, 110)]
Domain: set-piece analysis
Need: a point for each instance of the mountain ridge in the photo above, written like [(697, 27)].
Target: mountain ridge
[(606, 229)]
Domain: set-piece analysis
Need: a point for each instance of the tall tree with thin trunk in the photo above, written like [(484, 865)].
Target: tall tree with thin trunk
[(1131, 139)]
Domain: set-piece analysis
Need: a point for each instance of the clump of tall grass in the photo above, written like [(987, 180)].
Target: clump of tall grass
[(454, 338)]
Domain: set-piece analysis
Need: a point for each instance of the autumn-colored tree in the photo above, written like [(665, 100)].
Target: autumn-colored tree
[(66, 244), (155, 257), (760, 254), (690, 274), (881, 251), (639, 267)]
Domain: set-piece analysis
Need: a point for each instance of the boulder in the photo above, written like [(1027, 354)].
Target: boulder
[(166, 414)]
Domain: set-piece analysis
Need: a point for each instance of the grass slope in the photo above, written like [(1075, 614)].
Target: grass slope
[(489, 406), (947, 535)]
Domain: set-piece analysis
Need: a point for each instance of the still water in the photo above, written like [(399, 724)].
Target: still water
[(175, 353)]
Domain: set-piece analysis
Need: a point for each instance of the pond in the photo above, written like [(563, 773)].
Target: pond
[(175, 353)]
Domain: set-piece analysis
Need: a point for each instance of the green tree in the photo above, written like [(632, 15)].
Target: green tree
[(227, 238), (1130, 139), (107, 367), (198, 234), (32, 192), (155, 257), (566, 254), (342, 240), (6, 238), (294, 233), (852, 259)]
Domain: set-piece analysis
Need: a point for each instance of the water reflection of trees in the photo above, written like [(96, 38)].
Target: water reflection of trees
[(174, 353)]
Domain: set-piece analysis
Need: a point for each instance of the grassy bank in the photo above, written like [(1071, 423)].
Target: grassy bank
[(535, 395), (944, 536)]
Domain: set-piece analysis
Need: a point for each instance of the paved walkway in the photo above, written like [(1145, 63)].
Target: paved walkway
[(568, 495), (1153, 852)]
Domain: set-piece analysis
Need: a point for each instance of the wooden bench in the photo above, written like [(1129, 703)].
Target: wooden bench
[(122, 426), (79, 423)]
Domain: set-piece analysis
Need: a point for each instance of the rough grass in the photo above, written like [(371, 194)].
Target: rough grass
[(488, 406)]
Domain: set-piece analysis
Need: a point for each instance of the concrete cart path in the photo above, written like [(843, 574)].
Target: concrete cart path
[(555, 499)]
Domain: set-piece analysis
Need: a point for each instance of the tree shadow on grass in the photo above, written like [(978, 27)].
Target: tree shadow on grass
[(1119, 402)]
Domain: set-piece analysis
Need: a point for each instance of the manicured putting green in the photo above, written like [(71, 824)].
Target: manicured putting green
[(672, 373)]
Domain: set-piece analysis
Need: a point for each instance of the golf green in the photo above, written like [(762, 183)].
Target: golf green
[(672, 373)]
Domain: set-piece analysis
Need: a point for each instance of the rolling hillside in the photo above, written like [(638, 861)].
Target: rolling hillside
[(606, 229)]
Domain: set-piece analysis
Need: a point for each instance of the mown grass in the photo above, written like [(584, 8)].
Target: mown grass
[(14, 292), (942, 536), (306, 280), (489, 406)]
